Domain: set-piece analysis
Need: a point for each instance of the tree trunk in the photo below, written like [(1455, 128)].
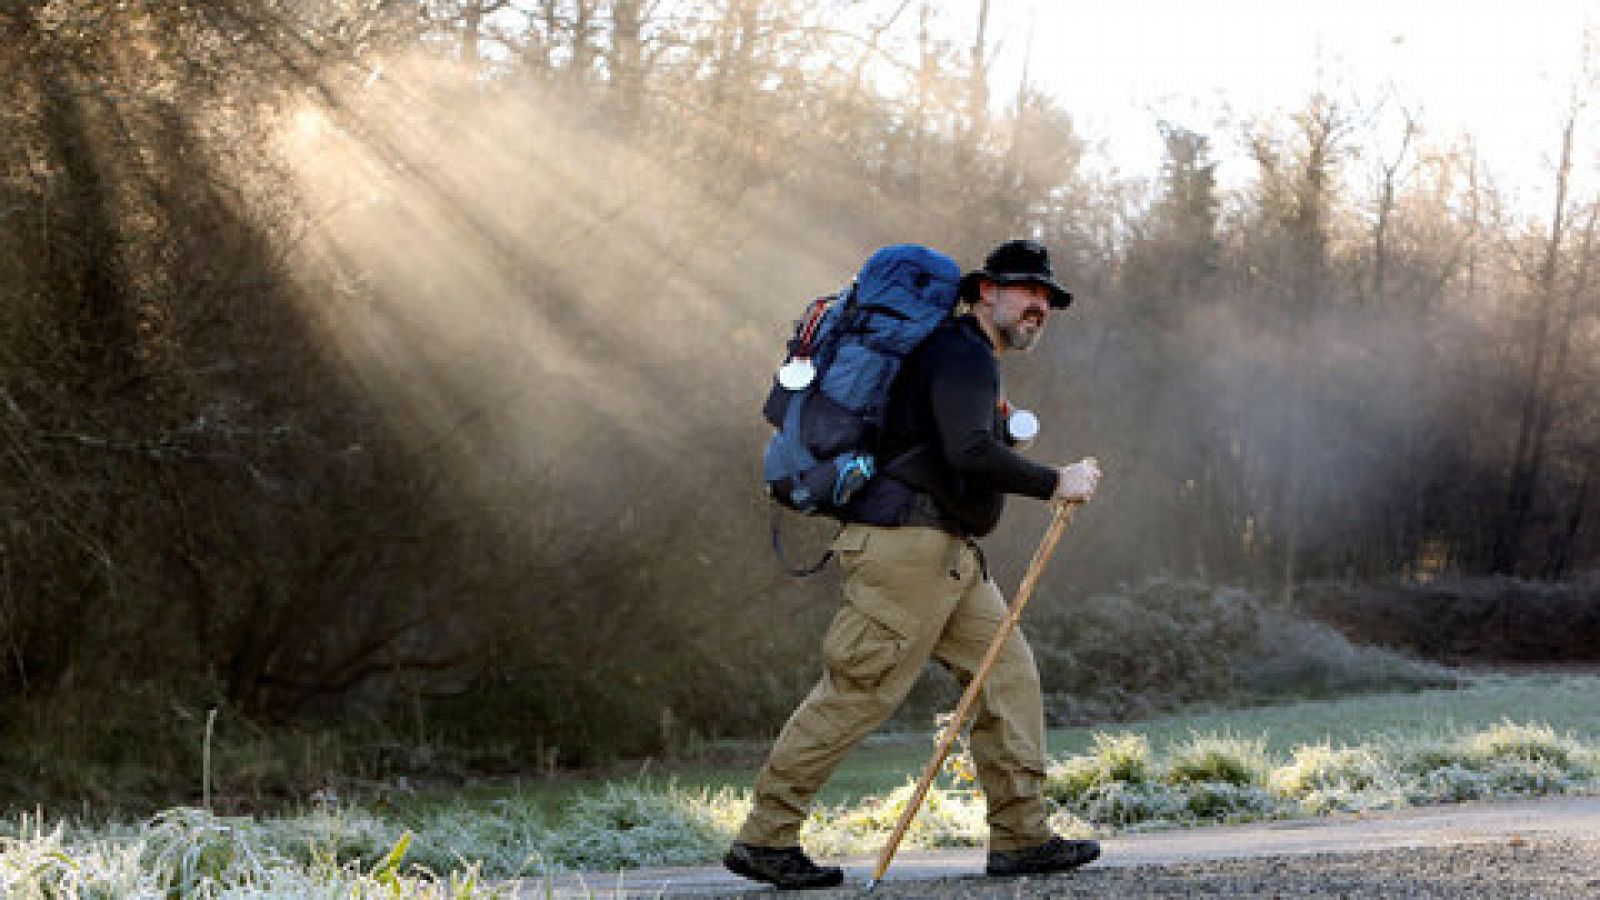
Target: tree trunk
[(1527, 459), (626, 57)]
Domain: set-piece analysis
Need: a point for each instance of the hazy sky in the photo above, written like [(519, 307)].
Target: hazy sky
[(1502, 71)]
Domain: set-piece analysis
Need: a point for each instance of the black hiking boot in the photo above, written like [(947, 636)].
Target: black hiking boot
[(786, 867), (1054, 855)]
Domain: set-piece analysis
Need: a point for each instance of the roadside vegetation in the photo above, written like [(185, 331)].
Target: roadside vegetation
[(1166, 644), (1499, 737), (375, 368), (1502, 619)]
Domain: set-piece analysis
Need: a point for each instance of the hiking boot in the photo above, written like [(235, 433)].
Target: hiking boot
[(1054, 855), (786, 867)]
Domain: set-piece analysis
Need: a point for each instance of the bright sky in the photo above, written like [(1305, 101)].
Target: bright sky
[(1501, 71)]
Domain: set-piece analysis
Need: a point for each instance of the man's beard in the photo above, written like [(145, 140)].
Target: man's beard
[(1020, 337)]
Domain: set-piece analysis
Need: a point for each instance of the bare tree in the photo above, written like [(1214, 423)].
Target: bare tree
[(1541, 380)]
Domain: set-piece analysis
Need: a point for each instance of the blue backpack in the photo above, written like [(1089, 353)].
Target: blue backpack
[(829, 398)]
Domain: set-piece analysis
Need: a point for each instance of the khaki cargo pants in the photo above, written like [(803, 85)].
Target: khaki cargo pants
[(902, 607)]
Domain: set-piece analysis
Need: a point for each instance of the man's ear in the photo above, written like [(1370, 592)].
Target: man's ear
[(985, 293)]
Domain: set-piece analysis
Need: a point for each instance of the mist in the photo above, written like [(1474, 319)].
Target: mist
[(408, 367)]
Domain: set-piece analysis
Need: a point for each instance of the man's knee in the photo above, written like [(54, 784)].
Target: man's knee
[(847, 713), (1015, 671)]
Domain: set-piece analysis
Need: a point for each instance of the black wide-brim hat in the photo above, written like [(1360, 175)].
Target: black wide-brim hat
[(1017, 262)]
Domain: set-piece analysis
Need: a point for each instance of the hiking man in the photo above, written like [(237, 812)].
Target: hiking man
[(916, 587)]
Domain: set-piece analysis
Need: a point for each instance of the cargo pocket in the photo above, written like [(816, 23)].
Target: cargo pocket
[(867, 641)]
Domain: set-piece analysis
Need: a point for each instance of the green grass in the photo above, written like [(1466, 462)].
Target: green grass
[(1566, 701), (885, 762)]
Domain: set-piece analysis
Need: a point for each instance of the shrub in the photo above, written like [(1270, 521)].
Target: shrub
[(1422, 757), (1225, 801), (1515, 775), (1123, 757), (1116, 784), (1222, 759), (1122, 804), (1168, 642), (1304, 658), (1115, 758), (1385, 795), (1143, 648), (1321, 767), (1454, 784), (1467, 618), (1069, 779), (1509, 740)]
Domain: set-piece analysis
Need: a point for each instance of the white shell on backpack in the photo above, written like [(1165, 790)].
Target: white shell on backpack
[(796, 374), (1022, 426)]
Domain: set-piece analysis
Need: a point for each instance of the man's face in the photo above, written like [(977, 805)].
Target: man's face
[(1019, 311)]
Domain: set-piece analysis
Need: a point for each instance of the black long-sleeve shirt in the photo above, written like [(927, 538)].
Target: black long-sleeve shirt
[(944, 435)]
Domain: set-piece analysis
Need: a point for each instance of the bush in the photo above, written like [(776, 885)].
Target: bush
[(1510, 741), (1118, 783), (1122, 804), (1153, 646), (1321, 767), (1468, 618), (1115, 758), (1167, 642), (1454, 784), (1307, 659), (1222, 759), (1224, 801), (1528, 777)]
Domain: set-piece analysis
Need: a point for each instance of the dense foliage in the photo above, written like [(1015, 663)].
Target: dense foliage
[(397, 364)]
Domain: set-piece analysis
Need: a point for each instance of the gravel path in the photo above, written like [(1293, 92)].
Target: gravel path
[(1545, 848), (1541, 867)]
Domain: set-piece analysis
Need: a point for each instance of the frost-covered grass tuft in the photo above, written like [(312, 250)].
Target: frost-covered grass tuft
[(332, 832), (947, 818), (1321, 767), (184, 853), (1510, 741), (36, 862), (1122, 804), (1120, 783), (187, 849), (628, 826), (1226, 778), (1115, 759), (1218, 758)]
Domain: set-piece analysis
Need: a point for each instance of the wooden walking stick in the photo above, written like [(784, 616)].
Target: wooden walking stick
[(1047, 546)]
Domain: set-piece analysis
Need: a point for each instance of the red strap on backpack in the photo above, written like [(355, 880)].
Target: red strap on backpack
[(809, 330)]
